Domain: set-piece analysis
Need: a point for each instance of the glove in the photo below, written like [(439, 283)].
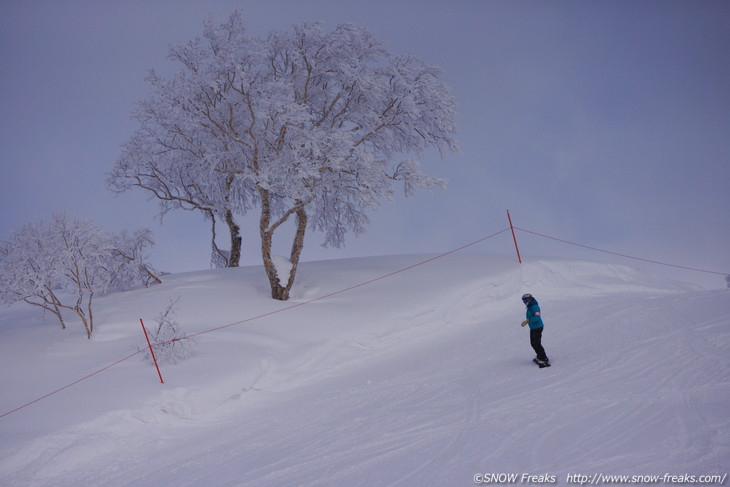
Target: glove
[(524, 323)]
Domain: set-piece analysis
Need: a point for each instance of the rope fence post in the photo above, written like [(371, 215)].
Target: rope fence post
[(514, 238), (152, 352)]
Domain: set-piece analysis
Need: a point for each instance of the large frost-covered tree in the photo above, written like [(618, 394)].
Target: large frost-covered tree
[(314, 126), (63, 265)]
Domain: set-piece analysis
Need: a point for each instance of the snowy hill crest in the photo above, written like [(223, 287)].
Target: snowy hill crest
[(421, 378)]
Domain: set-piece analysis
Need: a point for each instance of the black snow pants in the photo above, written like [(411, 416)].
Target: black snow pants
[(536, 342)]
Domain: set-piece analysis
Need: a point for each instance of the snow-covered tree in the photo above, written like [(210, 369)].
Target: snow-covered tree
[(308, 125), (30, 271), (63, 265)]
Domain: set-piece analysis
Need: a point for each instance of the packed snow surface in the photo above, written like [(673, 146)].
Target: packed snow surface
[(420, 377)]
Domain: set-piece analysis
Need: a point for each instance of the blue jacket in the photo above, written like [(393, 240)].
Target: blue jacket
[(533, 315)]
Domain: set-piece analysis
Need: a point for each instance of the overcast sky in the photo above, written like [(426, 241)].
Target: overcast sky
[(605, 123)]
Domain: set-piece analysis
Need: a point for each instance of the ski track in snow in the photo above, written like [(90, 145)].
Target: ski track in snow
[(403, 384)]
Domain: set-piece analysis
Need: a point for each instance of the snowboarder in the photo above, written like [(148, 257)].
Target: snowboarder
[(536, 325)]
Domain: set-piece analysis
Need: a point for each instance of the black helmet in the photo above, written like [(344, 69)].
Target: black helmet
[(526, 298)]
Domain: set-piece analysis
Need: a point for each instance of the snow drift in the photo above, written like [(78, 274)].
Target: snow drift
[(423, 377)]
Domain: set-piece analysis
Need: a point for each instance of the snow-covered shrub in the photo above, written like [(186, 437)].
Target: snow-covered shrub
[(169, 343)]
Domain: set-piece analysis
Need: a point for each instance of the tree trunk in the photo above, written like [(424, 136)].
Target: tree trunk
[(234, 257), (87, 317), (219, 257), (267, 238), (267, 230), (277, 290), (56, 308), (267, 235), (297, 247)]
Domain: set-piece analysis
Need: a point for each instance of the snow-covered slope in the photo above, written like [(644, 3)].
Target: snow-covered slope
[(423, 377)]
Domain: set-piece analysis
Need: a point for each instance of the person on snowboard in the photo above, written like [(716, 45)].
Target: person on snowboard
[(535, 321)]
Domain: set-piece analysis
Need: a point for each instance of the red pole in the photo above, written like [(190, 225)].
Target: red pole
[(154, 359), (513, 237)]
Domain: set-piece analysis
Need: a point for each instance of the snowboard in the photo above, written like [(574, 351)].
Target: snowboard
[(542, 366)]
